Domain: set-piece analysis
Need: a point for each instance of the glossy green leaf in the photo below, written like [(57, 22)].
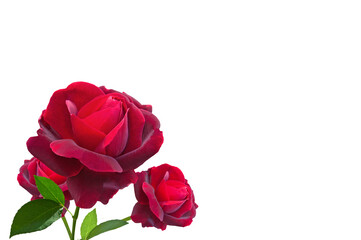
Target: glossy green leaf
[(35, 216), (105, 227), (89, 223), (49, 190)]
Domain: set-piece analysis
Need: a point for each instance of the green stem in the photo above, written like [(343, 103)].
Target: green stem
[(75, 217), (126, 219), (66, 226)]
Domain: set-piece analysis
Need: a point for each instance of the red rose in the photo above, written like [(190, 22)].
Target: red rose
[(35, 167), (95, 137), (164, 198)]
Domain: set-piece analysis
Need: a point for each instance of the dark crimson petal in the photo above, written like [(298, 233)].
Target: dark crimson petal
[(86, 135), (92, 160), (88, 187), (57, 113), (142, 214), (171, 206), (153, 202), (23, 179), (183, 221), (116, 140), (151, 123), (136, 123), (157, 174), (40, 147), (138, 104), (137, 157), (139, 193)]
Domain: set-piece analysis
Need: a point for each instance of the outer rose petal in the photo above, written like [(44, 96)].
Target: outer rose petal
[(182, 221), (92, 160), (142, 214), (40, 147), (139, 194), (57, 113), (153, 202), (88, 187), (137, 157)]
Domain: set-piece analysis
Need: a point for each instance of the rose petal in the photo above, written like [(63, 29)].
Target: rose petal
[(88, 187), (92, 160), (151, 123), (115, 141), (138, 104), (39, 147), (171, 206), (104, 120), (57, 113), (153, 202), (139, 193), (92, 106), (142, 214), (157, 174), (137, 157), (86, 135), (136, 125), (183, 221)]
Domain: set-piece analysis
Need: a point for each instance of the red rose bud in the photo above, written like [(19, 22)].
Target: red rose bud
[(35, 167), (164, 198), (96, 138)]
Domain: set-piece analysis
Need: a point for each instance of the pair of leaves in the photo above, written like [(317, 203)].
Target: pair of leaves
[(41, 213), (90, 229)]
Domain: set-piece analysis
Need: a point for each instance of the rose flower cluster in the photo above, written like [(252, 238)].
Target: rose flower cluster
[(90, 142)]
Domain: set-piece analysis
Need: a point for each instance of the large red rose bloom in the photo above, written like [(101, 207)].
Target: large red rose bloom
[(95, 137)]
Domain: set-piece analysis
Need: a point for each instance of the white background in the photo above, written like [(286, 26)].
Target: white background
[(259, 103)]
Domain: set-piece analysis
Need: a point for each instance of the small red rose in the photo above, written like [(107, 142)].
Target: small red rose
[(35, 167), (164, 198), (95, 137)]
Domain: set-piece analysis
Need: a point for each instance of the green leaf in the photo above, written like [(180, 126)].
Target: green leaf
[(35, 216), (89, 223), (49, 189), (105, 227)]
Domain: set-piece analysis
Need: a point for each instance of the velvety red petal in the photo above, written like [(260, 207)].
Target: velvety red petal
[(171, 206), (116, 140), (92, 106), (183, 221), (138, 104), (92, 160), (136, 123), (40, 148), (104, 120), (23, 180), (151, 123), (86, 135), (157, 174), (139, 193), (57, 113), (187, 206), (176, 190), (153, 202), (142, 214), (88, 187), (137, 157)]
